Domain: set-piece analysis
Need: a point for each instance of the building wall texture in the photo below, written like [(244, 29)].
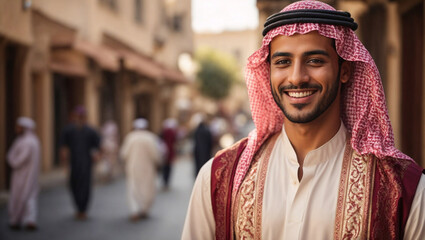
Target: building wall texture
[(56, 54)]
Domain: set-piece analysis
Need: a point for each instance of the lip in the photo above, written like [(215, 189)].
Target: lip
[(303, 96)]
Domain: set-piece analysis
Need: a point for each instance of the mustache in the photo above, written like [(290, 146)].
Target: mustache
[(281, 89)]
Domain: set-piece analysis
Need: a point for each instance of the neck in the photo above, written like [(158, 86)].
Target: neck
[(306, 137)]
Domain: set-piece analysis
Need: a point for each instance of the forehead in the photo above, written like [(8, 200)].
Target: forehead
[(301, 42)]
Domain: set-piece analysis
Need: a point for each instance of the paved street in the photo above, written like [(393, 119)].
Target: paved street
[(108, 215)]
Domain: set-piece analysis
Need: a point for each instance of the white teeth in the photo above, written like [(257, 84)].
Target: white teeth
[(300, 94)]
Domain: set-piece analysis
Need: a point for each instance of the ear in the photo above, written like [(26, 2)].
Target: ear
[(345, 72)]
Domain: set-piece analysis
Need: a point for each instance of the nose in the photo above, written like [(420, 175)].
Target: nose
[(298, 74)]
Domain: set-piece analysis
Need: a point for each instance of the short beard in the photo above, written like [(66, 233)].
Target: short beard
[(323, 105)]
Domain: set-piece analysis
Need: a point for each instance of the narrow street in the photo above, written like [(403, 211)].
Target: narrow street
[(108, 214)]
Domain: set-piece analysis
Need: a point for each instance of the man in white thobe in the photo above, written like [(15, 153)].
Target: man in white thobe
[(141, 152), (24, 159)]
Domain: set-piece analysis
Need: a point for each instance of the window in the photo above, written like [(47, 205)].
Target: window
[(177, 23), (138, 11), (111, 4)]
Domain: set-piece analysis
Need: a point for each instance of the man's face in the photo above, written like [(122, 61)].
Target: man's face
[(304, 75)]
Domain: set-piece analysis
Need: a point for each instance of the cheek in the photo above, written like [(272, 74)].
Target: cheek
[(325, 77), (277, 77)]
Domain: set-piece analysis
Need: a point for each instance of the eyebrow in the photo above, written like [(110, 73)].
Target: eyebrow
[(309, 53)]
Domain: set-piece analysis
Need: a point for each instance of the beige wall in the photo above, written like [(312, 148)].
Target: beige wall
[(72, 13), (92, 19), (42, 83), (175, 42), (121, 24), (15, 22), (232, 42)]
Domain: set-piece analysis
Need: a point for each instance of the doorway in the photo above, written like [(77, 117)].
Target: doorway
[(12, 103), (68, 92)]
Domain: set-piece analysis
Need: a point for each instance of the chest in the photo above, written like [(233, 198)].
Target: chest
[(273, 204)]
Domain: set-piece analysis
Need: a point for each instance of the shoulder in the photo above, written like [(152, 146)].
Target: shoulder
[(204, 174), (399, 166), (223, 165), (234, 149), (398, 174)]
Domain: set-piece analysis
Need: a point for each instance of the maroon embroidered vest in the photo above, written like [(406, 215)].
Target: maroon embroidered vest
[(385, 189)]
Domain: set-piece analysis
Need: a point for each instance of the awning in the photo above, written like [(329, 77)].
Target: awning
[(173, 75), (67, 69), (105, 57), (109, 59), (69, 62), (140, 64)]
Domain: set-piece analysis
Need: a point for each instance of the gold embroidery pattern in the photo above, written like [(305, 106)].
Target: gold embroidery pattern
[(354, 196), (341, 192), (249, 199), (245, 220), (262, 174)]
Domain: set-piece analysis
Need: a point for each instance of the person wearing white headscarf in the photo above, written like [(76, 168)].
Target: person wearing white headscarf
[(321, 163), (108, 167), (24, 159), (141, 153)]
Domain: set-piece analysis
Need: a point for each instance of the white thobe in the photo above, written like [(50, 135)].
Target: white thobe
[(295, 209), (24, 159), (140, 151)]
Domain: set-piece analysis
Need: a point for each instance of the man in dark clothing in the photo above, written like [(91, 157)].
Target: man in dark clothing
[(79, 148), (203, 145)]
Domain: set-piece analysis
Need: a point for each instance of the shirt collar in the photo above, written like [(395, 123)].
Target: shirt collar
[(327, 151)]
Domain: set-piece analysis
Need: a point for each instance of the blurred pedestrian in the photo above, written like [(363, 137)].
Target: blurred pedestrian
[(142, 155), (203, 143), (24, 159), (79, 149), (108, 165), (169, 137)]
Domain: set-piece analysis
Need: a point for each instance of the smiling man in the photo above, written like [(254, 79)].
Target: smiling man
[(321, 163)]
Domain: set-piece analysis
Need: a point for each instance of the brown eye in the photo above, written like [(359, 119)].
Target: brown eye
[(282, 62), (316, 61)]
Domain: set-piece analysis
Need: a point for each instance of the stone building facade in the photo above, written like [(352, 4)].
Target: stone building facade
[(118, 58)]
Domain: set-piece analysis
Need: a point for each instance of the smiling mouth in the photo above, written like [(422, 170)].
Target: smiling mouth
[(303, 94)]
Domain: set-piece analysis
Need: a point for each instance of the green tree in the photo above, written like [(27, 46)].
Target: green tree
[(216, 73)]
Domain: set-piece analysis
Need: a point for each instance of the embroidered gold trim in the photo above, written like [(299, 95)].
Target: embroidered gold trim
[(372, 185), (262, 174), (249, 199), (245, 205), (354, 196)]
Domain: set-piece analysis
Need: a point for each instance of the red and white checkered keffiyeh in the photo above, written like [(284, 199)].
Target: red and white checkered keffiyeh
[(364, 111)]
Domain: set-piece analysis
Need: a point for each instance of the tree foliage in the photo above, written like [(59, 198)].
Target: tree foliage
[(216, 73)]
